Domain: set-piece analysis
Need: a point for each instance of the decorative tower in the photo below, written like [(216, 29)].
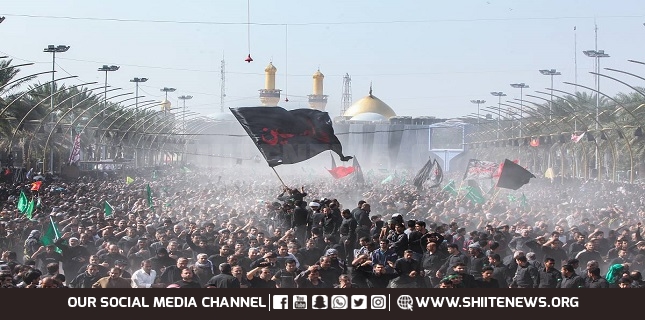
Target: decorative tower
[(270, 96), (318, 100), (347, 94)]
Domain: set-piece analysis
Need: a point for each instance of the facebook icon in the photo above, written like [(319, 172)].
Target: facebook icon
[(280, 302)]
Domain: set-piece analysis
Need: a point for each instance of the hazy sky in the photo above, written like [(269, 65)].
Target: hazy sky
[(423, 57)]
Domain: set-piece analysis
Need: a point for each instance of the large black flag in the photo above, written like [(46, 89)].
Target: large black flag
[(513, 176), (286, 137), (430, 176)]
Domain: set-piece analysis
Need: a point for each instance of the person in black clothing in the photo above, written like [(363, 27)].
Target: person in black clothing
[(378, 277), (347, 230), (201, 246), (311, 278), (225, 279), (526, 276), (87, 278), (595, 280), (263, 280), (409, 271), (364, 223), (431, 261), (356, 211), (285, 277), (330, 224), (477, 260), (398, 239), (187, 279), (172, 274), (418, 238), (550, 276), (162, 260), (487, 280), (569, 278), (75, 256), (467, 280), (299, 221)]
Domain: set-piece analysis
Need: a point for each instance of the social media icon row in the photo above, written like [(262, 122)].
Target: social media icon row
[(339, 302)]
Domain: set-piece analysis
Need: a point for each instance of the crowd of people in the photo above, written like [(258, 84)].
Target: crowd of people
[(244, 229)]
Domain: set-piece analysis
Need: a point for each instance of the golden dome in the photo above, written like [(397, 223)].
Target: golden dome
[(318, 75), (370, 104), (270, 68)]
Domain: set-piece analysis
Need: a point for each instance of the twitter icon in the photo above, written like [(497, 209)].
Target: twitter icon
[(359, 301)]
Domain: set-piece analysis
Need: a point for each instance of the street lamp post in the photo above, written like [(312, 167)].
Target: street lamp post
[(183, 121), (53, 49), (106, 69), (136, 97), (478, 102), (551, 73), (166, 90), (499, 96), (597, 54), (522, 86)]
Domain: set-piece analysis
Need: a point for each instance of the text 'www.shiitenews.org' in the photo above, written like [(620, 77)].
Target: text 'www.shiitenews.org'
[(406, 302)]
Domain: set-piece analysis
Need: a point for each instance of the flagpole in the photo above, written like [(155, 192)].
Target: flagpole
[(276, 173), (492, 200)]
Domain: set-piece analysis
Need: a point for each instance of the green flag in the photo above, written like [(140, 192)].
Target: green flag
[(108, 209), (388, 179), (128, 180), (30, 209), (22, 202), (450, 188), (511, 198), (149, 194), (474, 195), (523, 201), (51, 234)]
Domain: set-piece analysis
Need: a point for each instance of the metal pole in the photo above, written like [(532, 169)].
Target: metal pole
[(51, 107), (551, 102)]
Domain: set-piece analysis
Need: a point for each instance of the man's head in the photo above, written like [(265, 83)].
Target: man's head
[(146, 265), (182, 263), (225, 268), (187, 274), (290, 265), (521, 261), (487, 272), (265, 274), (115, 272), (567, 270), (92, 269), (460, 268)]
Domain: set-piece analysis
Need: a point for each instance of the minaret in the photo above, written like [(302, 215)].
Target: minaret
[(318, 100), (270, 96)]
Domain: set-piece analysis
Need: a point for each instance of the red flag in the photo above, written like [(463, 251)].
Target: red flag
[(36, 185), (7, 172), (576, 138), (340, 172)]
